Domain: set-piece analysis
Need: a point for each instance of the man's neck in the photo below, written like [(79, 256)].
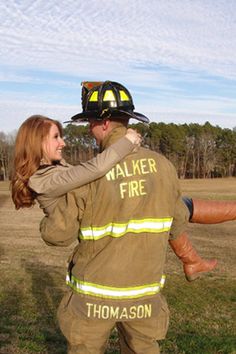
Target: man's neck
[(115, 134)]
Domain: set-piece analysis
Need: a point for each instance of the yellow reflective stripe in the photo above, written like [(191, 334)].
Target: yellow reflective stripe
[(132, 226), (94, 97), (123, 96), (109, 96), (108, 292)]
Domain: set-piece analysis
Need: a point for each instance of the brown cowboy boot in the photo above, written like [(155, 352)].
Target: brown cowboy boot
[(212, 212), (193, 264)]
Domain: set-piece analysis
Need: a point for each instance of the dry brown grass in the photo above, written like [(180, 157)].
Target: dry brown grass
[(217, 188), (19, 233), (37, 271)]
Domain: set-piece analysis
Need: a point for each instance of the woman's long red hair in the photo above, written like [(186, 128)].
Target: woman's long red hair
[(27, 156)]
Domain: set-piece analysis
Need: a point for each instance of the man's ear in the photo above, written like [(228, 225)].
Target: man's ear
[(106, 124)]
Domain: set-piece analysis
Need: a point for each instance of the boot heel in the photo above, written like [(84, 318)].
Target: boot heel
[(192, 277)]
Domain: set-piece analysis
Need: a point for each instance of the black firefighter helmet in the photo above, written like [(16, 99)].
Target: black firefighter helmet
[(101, 100)]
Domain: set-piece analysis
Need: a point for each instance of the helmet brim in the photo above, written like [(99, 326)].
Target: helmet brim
[(138, 116), (87, 116)]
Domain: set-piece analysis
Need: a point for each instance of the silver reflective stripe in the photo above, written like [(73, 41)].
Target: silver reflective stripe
[(120, 229), (113, 292)]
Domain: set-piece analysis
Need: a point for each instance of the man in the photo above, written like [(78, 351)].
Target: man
[(124, 221)]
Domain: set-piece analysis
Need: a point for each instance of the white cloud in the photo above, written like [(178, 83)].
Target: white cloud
[(73, 36), (158, 48)]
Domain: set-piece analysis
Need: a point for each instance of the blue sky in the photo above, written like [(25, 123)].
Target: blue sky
[(177, 57)]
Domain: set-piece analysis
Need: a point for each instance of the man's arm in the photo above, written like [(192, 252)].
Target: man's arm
[(61, 227)]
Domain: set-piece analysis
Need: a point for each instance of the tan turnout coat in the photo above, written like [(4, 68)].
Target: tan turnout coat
[(123, 222)]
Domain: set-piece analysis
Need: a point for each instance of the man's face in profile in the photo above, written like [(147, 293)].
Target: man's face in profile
[(96, 129)]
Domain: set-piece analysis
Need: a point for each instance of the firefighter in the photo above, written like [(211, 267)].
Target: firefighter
[(124, 221)]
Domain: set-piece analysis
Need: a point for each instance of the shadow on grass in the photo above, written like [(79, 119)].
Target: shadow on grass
[(47, 290), (9, 309), (201, 313), (28, 306)]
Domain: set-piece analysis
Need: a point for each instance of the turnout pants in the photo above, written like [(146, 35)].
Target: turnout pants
[(90, 336)]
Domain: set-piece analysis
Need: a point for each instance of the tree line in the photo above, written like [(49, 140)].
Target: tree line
[(197, 151)]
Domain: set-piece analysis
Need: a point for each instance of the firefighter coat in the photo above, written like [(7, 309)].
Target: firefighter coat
[(123, 222)]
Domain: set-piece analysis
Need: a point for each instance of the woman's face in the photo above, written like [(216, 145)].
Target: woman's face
[(53, 145)]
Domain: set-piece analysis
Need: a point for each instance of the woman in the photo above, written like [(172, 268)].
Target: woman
[(39, 172)]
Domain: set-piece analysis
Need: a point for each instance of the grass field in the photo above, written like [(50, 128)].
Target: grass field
[(32, 284)]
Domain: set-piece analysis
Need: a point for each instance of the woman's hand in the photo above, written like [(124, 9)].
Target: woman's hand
[(134, 136)]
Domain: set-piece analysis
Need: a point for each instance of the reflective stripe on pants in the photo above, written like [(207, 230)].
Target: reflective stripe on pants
[(108, 292)]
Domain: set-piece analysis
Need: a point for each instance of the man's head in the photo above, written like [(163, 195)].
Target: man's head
[(101, 128)]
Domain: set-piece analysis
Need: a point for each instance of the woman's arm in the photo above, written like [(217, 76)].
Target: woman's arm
[(55, 182)]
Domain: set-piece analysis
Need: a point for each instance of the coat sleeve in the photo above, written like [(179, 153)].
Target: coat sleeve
[(56, 182), (61, 226)]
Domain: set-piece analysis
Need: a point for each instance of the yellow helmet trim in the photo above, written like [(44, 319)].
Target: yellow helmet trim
[(94, 97), (123, 96), (109, 96)]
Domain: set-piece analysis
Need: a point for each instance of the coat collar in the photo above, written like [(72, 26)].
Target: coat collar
[(113, 136)]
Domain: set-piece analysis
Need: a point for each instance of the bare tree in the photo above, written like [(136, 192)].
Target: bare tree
[(6, 152)]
